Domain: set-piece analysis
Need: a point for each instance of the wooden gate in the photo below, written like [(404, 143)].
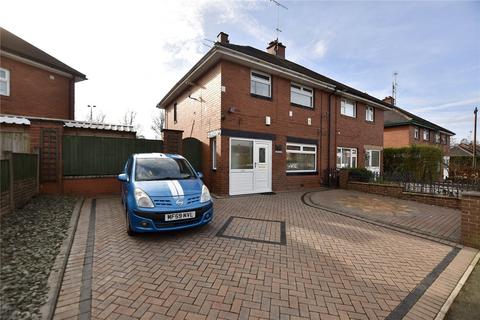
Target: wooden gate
[(192, 150)]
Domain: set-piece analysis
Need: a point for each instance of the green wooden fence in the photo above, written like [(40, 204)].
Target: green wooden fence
[(24, 166), (4, 175), (100, 156)]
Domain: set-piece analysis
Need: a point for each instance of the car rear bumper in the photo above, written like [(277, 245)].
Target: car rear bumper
[(148, 221)]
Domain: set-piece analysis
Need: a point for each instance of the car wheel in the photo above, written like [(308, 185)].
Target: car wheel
[(130, 232)]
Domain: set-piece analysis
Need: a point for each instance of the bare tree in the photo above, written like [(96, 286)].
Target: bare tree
[(98, 117), (129, 117), (158, 122)]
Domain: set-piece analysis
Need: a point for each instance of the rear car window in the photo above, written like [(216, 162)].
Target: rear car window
[(162, 169)]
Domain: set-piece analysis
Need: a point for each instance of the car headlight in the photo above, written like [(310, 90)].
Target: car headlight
[(142, 199), (205, 194)]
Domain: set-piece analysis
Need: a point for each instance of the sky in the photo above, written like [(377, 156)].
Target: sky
[(133, 52)]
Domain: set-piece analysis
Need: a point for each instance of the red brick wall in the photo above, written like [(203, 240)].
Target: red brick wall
[(23, 191), (470, 229), (92, 186), (403, 136), (34, 93), (197, 118)]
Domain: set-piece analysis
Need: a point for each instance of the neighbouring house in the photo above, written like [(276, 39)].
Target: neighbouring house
[(461, 162), (403, 129), (464, 150), (37, 93), (269, 124)]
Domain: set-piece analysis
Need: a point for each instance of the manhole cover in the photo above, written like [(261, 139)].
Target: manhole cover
[(256, 230)]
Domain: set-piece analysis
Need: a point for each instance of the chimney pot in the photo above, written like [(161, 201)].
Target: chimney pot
[(222, 38), (389, 100), (276, 48)]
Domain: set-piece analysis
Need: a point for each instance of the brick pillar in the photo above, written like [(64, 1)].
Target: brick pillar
[(470, 225), (172, 141), (343, 178)]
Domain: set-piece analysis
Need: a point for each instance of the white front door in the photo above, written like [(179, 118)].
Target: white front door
[(250, 166), (372, 160)]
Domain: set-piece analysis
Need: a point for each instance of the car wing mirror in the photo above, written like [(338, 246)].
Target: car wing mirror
[(200, 175), (122, 177)]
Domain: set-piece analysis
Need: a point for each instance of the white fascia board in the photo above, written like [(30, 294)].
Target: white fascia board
[(369, 102), (35, 64)]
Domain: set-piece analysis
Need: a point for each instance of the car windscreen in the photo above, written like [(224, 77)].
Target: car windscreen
[(162, 169)]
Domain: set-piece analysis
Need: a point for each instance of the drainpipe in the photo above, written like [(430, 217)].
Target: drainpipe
[(330, 128)]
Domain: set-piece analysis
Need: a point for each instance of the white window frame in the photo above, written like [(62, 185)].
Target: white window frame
[(301, 90), (7, 81), (214, 152), (339, 151), (343, 109), (370, 111), (302, 145), (261, 80), (426, 135), (416, 133), (438, 138)]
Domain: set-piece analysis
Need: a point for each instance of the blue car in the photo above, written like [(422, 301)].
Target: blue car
[(163, 192)]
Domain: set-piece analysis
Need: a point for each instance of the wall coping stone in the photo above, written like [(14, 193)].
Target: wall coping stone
[(471, 194)]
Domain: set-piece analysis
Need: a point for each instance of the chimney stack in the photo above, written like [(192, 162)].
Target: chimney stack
[(222, 38), (389, 100), (276, 48)]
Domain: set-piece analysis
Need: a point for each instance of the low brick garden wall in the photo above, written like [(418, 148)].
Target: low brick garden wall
[(23, 191), (471, 219)]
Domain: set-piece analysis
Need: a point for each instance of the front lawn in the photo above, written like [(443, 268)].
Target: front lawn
[(30, 239)]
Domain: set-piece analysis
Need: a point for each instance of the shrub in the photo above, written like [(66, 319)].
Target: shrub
[(360, 174), (420, 163)]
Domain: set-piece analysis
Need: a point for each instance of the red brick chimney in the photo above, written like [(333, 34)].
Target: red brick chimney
[(276, 48), (389, 100), (222, 37)]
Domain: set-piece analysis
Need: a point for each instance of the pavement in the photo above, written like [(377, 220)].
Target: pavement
[(436, 221), (262, 257)]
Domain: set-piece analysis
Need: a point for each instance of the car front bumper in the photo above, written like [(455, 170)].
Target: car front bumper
[(151, 221)]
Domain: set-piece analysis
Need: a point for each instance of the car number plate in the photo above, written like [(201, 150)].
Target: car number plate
[(179, 216)]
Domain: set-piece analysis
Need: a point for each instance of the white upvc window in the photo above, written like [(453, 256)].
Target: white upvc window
[(369, 113), (301, 157), (426, 134), (301, 95), (213, 146), (346, 157), (260, 84), (348, 108), (437, 137), (4, 82), (416, 133)]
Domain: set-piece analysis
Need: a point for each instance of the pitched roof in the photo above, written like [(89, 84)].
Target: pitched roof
[(287, 64), (464, 150), (400, 117), (19, 47)]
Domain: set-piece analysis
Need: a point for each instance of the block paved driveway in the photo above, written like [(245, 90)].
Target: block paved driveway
[(440, 222), (265, 256)]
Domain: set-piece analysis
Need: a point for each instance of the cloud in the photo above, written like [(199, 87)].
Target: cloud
[(449, 105), (320, 48)]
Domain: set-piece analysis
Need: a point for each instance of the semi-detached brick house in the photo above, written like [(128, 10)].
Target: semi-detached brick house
[(403, 129), (268, 124), (37, 94)]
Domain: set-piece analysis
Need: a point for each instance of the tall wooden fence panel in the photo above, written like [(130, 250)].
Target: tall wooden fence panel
[(101, 156)]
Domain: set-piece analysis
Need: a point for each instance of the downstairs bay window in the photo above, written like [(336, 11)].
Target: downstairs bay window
[(346, 157), (301, 158)]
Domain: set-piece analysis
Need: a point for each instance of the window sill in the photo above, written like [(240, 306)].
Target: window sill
[(260, 97), (309, 173), (348, 117), (301, 106)]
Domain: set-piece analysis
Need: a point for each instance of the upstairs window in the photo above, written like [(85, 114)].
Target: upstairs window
[(416, 133), (426, 134), (301, 95), (444, 138), (348, 108), (175, 112), (437, 137), (260, 84), (4, 82), (369, 114)]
